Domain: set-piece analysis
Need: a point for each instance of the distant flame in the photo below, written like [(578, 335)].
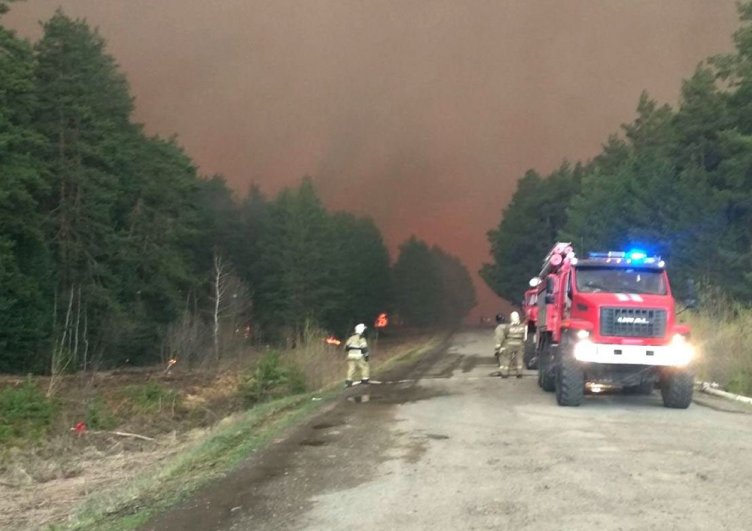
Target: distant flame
[(331, 340), (382, 321)]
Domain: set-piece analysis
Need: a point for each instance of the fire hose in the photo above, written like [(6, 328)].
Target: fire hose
[(709, 388)]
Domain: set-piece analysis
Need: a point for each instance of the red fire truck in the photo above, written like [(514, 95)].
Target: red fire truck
[(609, 320)]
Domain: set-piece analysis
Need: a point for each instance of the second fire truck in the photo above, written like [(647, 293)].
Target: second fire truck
[(610, 320)]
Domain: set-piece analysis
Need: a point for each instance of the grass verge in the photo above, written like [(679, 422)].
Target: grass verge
[(131, 506)]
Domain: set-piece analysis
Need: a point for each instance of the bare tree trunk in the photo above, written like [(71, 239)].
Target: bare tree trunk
[(74, 352), (217, 300), (86, 340)]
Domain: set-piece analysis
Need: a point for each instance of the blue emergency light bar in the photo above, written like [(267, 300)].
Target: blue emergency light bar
[(635, 256)]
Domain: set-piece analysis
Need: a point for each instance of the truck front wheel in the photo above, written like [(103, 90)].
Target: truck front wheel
[(677, 387), (570, 382)]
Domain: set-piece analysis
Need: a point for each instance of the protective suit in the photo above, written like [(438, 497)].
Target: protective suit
[(511, 346), (357, 356)]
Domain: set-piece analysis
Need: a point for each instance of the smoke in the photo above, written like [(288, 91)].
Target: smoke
[(419, 113)]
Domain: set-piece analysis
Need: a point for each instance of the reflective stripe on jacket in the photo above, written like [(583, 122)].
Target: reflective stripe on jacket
[(356, 344), (515, 335)]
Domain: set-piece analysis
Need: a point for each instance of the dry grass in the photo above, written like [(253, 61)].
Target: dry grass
[(40, 487), (721, 331)]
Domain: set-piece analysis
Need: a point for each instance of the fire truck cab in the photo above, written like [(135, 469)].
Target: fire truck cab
[(609, 320)]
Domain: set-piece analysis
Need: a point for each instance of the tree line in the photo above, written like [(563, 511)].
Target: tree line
[(676, 181), (114, 249)]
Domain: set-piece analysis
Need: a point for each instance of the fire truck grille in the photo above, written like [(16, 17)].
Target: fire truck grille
[(633, 322)]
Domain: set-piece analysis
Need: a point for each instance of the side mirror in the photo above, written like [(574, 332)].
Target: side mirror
[(534, 282), (549, 298)]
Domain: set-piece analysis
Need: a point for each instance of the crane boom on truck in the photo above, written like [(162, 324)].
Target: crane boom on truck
[(610, 319)]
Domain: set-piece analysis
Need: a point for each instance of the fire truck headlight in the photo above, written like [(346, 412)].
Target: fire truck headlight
[(583, 334), (584, 350), (682, 351)]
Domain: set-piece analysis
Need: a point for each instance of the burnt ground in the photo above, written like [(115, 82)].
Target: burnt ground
[(444, 444)]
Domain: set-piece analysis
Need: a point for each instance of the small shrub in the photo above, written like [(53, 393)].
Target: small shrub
[(151, 397), (272, 379), (98, 415), (26, 414)]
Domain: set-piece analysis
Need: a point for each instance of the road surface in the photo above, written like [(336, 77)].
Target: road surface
[(444, 444)]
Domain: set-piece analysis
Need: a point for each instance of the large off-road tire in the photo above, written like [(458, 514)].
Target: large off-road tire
[(570, 382), (677, 388)]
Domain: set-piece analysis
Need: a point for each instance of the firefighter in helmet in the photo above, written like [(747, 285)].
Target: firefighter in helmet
[(512, 346), (357, 355)]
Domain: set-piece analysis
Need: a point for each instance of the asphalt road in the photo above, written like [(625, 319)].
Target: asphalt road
[(444, 444)]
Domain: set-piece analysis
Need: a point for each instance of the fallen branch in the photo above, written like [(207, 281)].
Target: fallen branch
[(122, 434), (134, 435)]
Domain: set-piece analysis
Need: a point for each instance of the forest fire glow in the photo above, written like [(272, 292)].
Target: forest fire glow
[(331, 340), (382, 321)]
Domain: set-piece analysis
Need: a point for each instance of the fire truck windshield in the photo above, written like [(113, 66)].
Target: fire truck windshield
[(620, 280)]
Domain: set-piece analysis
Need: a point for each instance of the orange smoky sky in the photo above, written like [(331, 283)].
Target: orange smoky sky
[(419, 113)]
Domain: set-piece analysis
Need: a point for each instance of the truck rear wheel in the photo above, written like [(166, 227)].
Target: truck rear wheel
[(570, 382), (677, 388)]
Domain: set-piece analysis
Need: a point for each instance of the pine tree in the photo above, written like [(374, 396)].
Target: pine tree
[(24, 264), (361, 261), (83, 112), (157, 226), (457, 290), (530, 224), (417, 284), (297, 282)]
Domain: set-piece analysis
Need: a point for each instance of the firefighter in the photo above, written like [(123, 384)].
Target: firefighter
[(357, 355), (512, 346)]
